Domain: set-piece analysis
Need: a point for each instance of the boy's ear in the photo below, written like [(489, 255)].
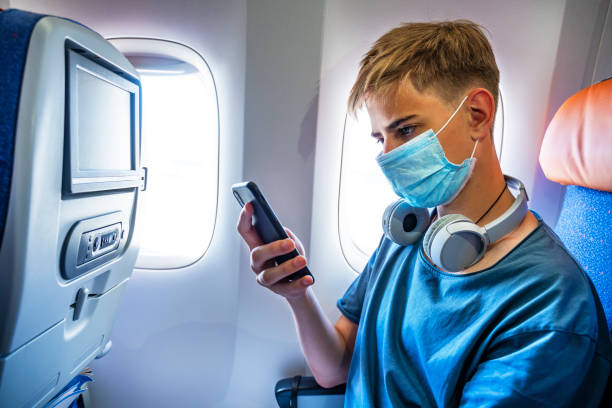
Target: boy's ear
[(481, 107)]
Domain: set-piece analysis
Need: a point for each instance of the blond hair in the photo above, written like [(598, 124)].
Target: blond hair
[(445, 57)]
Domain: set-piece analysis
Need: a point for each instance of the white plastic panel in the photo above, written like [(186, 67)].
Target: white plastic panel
[(281, 99)]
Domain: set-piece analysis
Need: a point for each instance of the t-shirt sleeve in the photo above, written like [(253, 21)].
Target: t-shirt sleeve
[(351, 302), (543, 368)]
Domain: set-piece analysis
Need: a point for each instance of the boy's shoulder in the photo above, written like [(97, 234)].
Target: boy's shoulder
[(544, 255), (542, 276)]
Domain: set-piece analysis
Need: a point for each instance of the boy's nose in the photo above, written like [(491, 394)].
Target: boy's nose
[(390, 143)]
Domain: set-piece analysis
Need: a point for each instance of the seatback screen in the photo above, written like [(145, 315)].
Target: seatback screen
[(103, 124), (102, 127)]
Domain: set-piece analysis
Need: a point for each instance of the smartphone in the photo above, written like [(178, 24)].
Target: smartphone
[(265, 223)]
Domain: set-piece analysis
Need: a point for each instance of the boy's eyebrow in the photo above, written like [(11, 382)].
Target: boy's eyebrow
[(397, 122)]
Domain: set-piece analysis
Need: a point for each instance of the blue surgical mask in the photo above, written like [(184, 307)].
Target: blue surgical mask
[(420, 173)]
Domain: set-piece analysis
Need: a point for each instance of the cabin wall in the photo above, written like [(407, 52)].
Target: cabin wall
[(603, 58), (281, 102)]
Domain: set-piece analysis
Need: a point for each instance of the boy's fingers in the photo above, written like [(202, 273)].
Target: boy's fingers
[(245, 227), (272, 276), (306, 280), (298, 243), (261, 254), (292, 289)]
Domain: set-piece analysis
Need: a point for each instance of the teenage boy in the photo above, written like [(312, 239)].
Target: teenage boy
[(520, 327)]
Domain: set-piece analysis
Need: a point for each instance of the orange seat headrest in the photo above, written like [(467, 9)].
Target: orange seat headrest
[(577, 146)]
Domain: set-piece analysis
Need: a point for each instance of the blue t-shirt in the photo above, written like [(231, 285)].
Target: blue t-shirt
[(528, 331)]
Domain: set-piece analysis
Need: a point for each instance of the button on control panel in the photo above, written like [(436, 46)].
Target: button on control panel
[(99, 242)]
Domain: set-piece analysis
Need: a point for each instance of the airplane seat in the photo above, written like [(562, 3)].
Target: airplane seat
[(577, 151), (69, 185)]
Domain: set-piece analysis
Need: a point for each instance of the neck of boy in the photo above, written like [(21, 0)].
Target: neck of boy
[(477, 198)]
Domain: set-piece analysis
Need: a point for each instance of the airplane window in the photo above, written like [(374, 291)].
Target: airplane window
[(180, 129), (364, 190)]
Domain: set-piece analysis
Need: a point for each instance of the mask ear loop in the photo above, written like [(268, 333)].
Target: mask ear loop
[(473, 151), (452, 116)]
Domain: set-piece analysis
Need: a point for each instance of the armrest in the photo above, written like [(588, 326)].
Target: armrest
[(287, 390)]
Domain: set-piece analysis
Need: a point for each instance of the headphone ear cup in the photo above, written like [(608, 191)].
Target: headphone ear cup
[(435, 227), (386, 220), (454, 242), (404, 224)]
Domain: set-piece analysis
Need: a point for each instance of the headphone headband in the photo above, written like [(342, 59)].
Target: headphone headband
[(454, 242), (512, 216)]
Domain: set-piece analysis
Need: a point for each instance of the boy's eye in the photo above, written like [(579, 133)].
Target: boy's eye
[(406, 130)]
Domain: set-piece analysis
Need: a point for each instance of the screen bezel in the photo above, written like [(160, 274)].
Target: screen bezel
[(82, 181)]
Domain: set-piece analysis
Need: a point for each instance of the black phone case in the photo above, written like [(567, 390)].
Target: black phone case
[(266, 223)]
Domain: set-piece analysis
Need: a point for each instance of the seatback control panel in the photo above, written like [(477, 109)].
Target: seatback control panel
[(93, 242), (98, 242)]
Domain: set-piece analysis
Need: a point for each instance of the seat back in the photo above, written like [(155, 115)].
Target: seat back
[(69, 177), (585, 226), (577, 151)]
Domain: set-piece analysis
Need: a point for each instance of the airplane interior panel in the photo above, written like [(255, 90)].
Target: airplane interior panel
[(442, 169)]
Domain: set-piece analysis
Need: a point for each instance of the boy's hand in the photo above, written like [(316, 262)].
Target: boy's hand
[(268, 273)]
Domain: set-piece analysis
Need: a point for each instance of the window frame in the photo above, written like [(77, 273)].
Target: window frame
[(162, 48)]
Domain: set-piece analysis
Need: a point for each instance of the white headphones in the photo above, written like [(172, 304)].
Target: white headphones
[(453, 242)]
